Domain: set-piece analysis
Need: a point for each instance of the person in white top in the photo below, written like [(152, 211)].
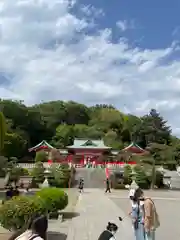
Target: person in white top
[(36, 230)]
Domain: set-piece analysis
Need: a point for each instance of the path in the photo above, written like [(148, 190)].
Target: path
[(95, 210)]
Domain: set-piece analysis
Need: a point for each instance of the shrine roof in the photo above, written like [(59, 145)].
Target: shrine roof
[(43, 143), (133, 147), (88, 144)]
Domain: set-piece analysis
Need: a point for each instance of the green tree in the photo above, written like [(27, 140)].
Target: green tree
[(41, 156), (111, 139), (59, 175), (2, 131), (88, 132), (76, 113), (3, 166), (38, 173), (153, 128), (64, 136), (141, 177), (107, 118), (127, 174), (14, 145)]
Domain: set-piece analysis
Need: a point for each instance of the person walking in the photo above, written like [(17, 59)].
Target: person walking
[(108, 186), (81, 185)]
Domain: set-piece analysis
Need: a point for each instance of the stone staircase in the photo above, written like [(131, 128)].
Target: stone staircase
[(93, 177)]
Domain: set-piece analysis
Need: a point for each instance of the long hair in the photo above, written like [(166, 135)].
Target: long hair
[(137, 194)]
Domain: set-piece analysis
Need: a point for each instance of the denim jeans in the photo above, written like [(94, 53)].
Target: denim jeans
[(139, 233), (150, 235)]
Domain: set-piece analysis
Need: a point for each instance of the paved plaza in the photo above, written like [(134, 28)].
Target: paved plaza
[(96, 208), (168, 207)]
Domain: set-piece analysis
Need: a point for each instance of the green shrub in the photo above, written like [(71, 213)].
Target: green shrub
[(141, 177), (16, 173), (38, 173), (116, 179), (127, 174), (119, 186), (55, 199), (59, 175), (15, 213)]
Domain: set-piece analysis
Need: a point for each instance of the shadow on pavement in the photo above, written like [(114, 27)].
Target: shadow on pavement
[(69, 215), (56, 236)]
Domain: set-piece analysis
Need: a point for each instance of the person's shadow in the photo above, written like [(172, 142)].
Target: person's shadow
[(56, 235)]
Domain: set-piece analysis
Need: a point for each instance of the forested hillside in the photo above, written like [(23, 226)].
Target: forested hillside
[(60, 122)]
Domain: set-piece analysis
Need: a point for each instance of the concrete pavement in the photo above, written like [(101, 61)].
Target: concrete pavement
[(95, 210)]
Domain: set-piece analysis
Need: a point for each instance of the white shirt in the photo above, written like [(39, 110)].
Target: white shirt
[(112, 238), (27, 235)]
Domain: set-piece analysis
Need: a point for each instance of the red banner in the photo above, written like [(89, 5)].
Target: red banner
[(107, 172)]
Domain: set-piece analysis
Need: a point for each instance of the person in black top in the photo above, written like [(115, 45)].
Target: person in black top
[(107, 186), (81, 185), (16, 192), (108, 234)]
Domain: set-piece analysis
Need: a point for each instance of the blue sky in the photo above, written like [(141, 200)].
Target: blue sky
[(156, 22), (125, 53)]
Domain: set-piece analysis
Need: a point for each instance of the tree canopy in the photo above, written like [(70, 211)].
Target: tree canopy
[(60, 122)]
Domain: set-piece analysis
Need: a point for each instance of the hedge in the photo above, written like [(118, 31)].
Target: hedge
[(55, 199), (15, 213)]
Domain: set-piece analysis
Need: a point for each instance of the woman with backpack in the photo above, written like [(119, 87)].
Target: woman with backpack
[(36, 229), (144, 216), (137, 215)]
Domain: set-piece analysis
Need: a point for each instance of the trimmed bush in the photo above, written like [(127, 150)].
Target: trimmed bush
[(38, 173), (15, 213), (141, 177), (127, 174), (55, 199), (59, 175)]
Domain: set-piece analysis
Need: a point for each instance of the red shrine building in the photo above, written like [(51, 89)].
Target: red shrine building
[(86, 150)]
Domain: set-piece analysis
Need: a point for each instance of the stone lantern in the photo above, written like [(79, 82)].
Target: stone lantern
[(45, 184)]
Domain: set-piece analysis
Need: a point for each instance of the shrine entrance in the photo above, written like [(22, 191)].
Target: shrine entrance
[(88, 151)]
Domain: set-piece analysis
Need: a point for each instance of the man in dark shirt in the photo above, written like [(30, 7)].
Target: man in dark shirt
[(107, 186)]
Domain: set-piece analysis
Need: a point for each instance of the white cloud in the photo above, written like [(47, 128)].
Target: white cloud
[(48, 54), (124, 25)]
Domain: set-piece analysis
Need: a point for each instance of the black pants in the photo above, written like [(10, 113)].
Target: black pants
[(108, 189)]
